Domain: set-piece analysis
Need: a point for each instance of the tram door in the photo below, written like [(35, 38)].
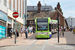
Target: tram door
[(49, 27)]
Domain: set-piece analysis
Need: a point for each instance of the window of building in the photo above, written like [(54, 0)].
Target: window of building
[(10, 4), (31, 22), (5, 2), (10, 20), (0, 1)]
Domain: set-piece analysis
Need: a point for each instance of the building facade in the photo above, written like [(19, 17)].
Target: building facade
[(7, 7), (71, 21), (37, 11), (45, 11), (57, 12), (3, 20)]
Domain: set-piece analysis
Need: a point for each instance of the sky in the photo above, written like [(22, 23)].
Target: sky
[(67, 6)]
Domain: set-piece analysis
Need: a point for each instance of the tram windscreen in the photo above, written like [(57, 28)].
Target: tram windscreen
[(42, 24)]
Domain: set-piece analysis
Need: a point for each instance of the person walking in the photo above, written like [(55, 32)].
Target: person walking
[(64, 28), (11, 32), (21, 31), (63, 32), (60, 31), (17, 33), (28, 29), (26, 32), (70, 28), (31, 29)]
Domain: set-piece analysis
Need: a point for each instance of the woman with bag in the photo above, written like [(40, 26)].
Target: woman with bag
[(17, 33)]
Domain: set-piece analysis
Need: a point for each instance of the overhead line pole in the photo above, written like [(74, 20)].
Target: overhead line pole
[(58, 25), (25, 12)]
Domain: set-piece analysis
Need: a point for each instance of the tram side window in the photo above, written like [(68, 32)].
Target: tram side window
[(49, 27)]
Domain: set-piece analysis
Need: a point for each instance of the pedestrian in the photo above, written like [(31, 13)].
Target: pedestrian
[(28, 29), (11, 32), (21, 32), (17, 33), (31, 29), (26, 32), (70, 28), (64, 28), (63, 32), (60, 31)]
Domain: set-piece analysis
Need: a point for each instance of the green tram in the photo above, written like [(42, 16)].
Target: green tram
[(54, 26), (43, 27)]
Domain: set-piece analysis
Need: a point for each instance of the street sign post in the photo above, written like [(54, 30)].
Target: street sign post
[(15, 15)]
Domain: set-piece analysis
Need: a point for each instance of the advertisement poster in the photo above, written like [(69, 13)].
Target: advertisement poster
[(2, 32)]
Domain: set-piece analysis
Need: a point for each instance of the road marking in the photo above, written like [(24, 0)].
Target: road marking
[(44, 45), (30, 45)]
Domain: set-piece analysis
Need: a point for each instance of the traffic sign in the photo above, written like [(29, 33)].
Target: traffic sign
[(15, 14)]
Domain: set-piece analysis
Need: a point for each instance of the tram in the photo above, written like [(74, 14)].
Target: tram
[(43, 27)]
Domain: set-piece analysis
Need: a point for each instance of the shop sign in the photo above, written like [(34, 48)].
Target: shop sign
[(3, 16)]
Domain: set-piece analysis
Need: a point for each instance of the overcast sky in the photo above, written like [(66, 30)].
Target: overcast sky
[(68, 6)]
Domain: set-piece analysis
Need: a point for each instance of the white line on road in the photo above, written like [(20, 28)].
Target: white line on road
[(44, 45), (30, 45)]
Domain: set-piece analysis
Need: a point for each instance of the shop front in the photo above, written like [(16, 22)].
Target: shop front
[(3, 20)]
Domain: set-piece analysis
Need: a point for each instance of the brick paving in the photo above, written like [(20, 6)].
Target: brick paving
[(69, 38)]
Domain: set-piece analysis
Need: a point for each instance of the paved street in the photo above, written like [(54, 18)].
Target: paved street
[(40, 47), (66, 42)]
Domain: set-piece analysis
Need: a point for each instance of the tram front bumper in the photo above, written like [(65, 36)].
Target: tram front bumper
[(42, 36)]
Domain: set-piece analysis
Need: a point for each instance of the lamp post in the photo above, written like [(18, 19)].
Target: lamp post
[(25, 12)]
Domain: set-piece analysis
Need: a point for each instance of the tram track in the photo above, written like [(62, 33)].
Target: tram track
[(30, 45), (43, 46)]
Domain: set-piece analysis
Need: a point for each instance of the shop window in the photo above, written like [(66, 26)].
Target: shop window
[(9, 20)]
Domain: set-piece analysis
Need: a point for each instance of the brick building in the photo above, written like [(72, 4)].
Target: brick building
[(45, 11)]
